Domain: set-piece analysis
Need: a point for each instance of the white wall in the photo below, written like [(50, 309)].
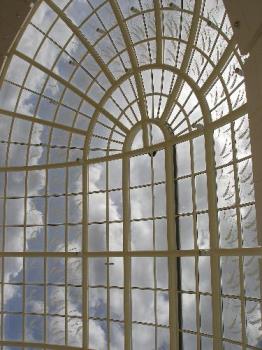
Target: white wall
[(12, 15), (248, 33)]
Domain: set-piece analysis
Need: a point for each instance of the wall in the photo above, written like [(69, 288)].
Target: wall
[(12, 15), (246, 20)]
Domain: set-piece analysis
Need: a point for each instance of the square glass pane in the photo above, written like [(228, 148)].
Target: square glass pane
[(232, 319), (143, 306), (142, 235), (141, 203), (184, 196), (13, 325), (186, 234), (97, 237), (187, 265), (142, 272), (206, 314), (188, 302)]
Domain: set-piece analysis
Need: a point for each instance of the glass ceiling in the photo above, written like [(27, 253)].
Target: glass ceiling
[(127, 210)]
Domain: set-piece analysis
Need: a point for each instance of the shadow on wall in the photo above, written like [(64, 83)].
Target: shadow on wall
[(259, 344)]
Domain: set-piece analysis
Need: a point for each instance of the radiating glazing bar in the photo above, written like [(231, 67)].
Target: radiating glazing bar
[(219, 66), (42, 121), (186, 59), (127, 254), (158, 21), (73, 88), (134, 63), (90, 48)]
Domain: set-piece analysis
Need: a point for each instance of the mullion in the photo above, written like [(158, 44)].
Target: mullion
[(195, 233), (24, 249), (178, 244), (154, 237), (84, 259), (3, 260), (45, 258), (46, 272), (153, 93), (107, 259), (66, 257), (240, 241), (66, 235), (126, 259), (161, 93)]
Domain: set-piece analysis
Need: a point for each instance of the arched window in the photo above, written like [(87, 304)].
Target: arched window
[(127, 210)]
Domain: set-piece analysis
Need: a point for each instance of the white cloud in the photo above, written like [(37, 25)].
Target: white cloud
[(96, 335)]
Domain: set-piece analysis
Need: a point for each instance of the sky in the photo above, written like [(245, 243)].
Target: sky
[(49, 223)]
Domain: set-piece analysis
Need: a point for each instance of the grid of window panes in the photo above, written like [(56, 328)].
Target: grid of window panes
[(192, 227), (149, 286), (41, 279), (83, 75), (105, 272), (235, 186), (240, 276), (149, 274)]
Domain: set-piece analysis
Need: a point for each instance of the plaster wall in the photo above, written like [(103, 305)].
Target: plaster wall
[(248, 34), (12, 15)]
